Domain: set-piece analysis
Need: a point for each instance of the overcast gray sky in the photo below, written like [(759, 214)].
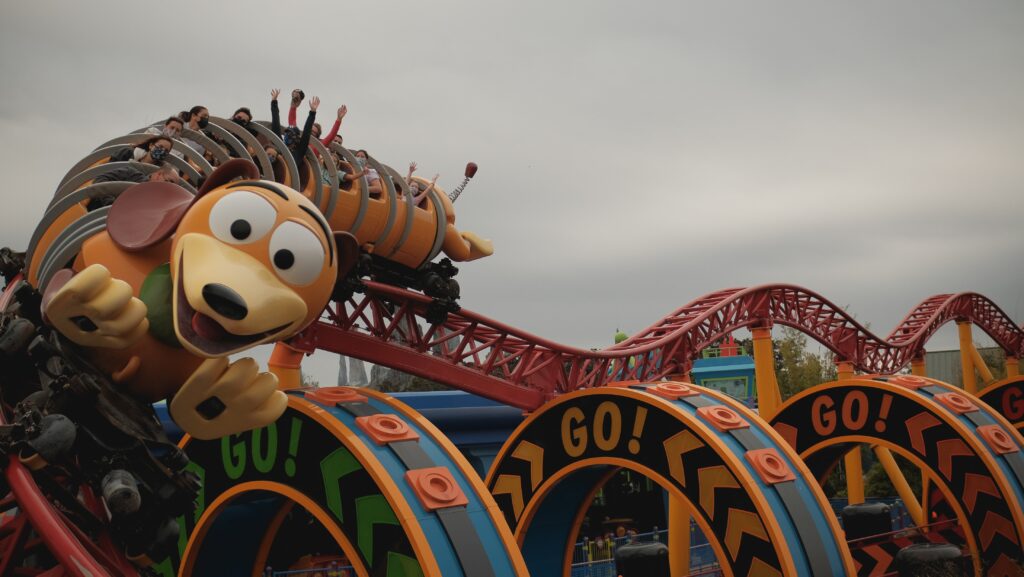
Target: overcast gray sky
[(633, 156)]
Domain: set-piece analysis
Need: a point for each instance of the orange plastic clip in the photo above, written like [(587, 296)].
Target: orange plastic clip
[(722, 418), (998, 439), (769, 466), (673, 391), (956, 402), (911, 382), (435, 488), (384, 429), (334, 395)]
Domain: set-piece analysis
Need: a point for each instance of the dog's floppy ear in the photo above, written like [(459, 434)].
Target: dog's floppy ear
[(147, 214), (230, 170)]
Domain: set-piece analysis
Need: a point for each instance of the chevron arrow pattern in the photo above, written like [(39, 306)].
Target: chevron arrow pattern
[(534, 455), (916, 427), (742, 522), (675, 447), (512, 486), (711, 479)]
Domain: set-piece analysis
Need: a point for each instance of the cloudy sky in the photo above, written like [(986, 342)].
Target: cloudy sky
[(633, 156)]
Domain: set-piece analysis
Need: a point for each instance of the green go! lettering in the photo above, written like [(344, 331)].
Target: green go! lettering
[(264, 461), (232, 454)]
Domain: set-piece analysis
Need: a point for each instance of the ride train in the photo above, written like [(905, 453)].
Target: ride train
[(398, 241), (266, 245)]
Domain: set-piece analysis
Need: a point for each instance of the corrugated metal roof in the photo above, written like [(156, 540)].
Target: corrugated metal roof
[(945, 365)]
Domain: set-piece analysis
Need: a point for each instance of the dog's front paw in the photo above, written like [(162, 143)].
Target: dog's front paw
[(95, 310), (222, 399)]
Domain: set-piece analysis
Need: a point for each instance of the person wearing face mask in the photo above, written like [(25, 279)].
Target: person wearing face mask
[(346, 172), (171, 129), (242, 117), (165, 173), (327, 140), (198, 119), (275, 162), (297, 142), (372, 177), (154, 150), (417, 189)]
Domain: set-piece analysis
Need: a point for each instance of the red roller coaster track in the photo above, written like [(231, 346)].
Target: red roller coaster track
[(386, 326)]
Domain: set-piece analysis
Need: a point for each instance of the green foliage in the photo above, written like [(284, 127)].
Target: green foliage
[(877, 483), (796, 368), (995, 358), (835, 484), (394, 381)]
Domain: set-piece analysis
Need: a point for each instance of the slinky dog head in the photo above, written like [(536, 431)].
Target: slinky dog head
[(252, 261)]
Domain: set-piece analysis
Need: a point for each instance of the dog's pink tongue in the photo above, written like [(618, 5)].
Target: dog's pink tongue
[(208, 328)]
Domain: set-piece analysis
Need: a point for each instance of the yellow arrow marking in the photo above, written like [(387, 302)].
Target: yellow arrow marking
[(759, 568), (512, 486), (741, 522), (534, 455), (711, 478), (675, 446)]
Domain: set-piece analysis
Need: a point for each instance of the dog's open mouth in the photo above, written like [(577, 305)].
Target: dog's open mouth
[(204, 332)]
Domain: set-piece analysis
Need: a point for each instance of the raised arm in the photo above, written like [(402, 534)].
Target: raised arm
[(412, 169), (297, 96), (307, 130), (419, 197), (275, 114), (327, 140)]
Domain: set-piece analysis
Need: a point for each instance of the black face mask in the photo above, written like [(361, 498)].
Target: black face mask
[(291, 137), (204, 122), (158, 153), (240, 121)]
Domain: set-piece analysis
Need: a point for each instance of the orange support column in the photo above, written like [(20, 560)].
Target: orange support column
[(899, 482), (844, 370), (678, 536), (768, 396), (917, 368), (852, 460), (925, 488), (966, 359), (285, 362), (981, 366)]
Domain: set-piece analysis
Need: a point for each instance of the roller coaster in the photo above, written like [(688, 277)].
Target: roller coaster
[(93, 487)]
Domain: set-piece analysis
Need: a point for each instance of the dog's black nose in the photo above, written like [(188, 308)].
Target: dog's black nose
[(225, 301)]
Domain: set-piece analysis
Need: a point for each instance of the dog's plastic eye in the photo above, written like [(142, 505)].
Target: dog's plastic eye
[(297, 254), (242, 217)]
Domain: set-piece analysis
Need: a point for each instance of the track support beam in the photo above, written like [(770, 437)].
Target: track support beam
[(678, 536), (966, 358), (768, 396), (892, 469)]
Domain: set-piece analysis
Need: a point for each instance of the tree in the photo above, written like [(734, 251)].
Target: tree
[(876, 481), (995, 359), (796, 368), (388, 380)]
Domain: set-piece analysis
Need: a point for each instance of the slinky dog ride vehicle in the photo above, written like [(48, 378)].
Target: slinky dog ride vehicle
[(130, 293)]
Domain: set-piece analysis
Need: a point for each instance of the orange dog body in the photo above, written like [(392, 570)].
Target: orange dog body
[(174, 284)]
